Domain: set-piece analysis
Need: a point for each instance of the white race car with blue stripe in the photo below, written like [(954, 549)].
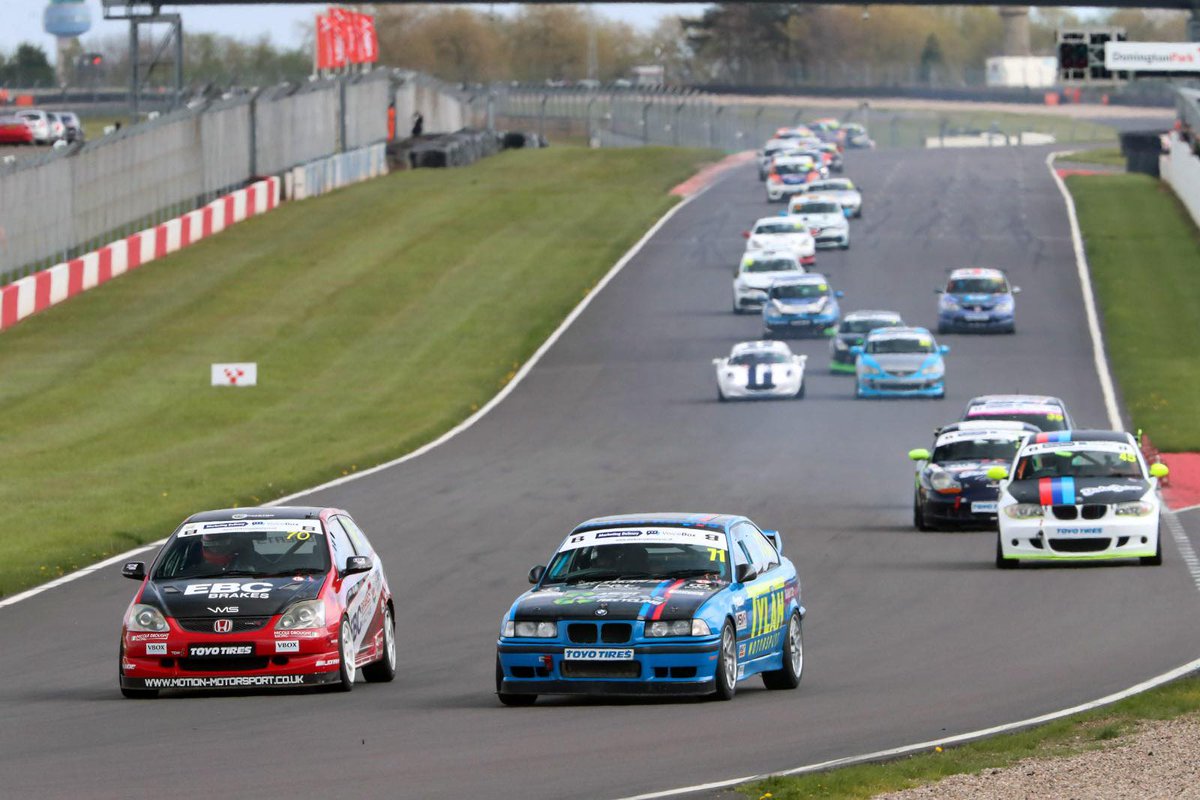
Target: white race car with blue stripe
[(760, 370)]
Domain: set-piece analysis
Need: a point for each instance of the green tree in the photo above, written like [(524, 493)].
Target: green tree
[(29, 67), (931, 58)]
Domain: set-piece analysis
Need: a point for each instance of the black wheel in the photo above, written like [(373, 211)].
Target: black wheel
[(346, 670), (511, 699), (919, 514), (133, 694), (1001, 561), (941, 396), (727, 666), (788, 677), (721, 398), (941, 329), (1156, 559), (800, 392), (1011, 329), (844, 245), (384, 670)]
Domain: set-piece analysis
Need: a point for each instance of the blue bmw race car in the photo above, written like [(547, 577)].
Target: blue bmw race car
[(977, 300), (900, 362), (666, 604), (803, 305)]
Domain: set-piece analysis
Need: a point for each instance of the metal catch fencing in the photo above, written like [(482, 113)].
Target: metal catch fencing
[(73, 200), (633, 117)]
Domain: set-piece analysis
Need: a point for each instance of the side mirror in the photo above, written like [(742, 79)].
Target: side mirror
[(939, 291), (1016, 290), (856, 349), (358, 564), (137, 570), (997, 473), (717, 361), (746, 572), (919, 454), (536, 573), (943, 349), (776, 540), (839, 293), (1159, 470), (745, 234)]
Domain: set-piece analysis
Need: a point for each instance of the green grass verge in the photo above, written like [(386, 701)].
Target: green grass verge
[(1107, 156), (1144, 250), (1061, 738), (380, 316)]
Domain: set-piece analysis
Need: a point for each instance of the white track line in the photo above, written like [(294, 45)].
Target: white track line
[(1186, 551), (1114, 419), (1089, 300), (445, 437)]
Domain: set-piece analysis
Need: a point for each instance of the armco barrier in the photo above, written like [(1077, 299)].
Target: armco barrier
[(1180, 168), (326, 174), (51, 286)]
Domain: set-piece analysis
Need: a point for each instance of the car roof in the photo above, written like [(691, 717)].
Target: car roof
[(816, 197), (795, 280), (710, 522), (949, 435), (1082, 435), (789, 159), (761, 346), (257, 512), (976, 272), (778, 218), (909, 332), (750, 256), (1015, 399), (868, 314)]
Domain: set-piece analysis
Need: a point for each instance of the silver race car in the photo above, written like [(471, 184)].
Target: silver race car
[(755, 273), (760, 370)]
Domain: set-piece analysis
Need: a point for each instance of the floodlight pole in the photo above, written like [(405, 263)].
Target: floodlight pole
[(147, 13)]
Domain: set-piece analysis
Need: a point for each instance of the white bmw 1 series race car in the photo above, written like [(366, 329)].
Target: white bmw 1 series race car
[(1078, 495), (760, 370)]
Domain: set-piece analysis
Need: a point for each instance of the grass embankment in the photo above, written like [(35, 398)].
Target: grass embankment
[(1144, 253), (1108, 157), (380, 316), (1055, 739)]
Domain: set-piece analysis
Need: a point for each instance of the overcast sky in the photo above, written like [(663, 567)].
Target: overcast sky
[(21, 20)]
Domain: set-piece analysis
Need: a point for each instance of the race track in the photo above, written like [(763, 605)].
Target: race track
[(909, 636)]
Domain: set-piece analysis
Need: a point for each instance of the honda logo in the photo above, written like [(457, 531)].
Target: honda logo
[(223, 625)]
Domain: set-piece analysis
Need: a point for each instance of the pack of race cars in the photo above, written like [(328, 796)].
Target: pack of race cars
[(664, 604)]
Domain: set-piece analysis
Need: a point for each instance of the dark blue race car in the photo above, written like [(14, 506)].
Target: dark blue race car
[(978, 300), (679, 604), (803, 305)]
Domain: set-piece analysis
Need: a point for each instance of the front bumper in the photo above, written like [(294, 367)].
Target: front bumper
[(901, 387), (781, 390), (656, 669), (778, 191), (841, 360), (749, 298), (982, 321), (800, 326), (833, 239), (302, 658), (960, 511), (1107, 538)]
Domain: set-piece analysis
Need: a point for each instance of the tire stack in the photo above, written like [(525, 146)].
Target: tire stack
[(458, 149)]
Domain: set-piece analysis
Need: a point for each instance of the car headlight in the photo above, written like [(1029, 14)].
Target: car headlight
[(306, 614), (840, 344), (949, 302), (680, 627), (1024, 511), (933, 370), (944, 482), (536, 630), (1137, 508), (871, 369), (145, 618), (1004, 306)]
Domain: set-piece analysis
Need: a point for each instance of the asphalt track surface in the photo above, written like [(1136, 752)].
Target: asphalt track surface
[(910, 636)]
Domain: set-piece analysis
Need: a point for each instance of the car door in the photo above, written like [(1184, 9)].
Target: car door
[(373, 593), (765, 594), (354, 590)]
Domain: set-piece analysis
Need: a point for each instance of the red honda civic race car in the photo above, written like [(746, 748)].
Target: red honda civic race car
[(259, 597)]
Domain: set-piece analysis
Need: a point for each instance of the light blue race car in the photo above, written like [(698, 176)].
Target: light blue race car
[(900, 362), (658, 604)]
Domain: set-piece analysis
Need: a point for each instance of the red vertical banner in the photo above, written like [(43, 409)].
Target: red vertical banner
[(368, 48), (340, 33), (352, 37), (324, 42)]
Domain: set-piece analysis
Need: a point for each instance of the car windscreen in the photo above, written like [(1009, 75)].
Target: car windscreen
[(792, 169), (977, 286), (900, 344), (839, 186), (258, 553), (799, 291), (867, 325), (818, 208), (771, 265), (1042, 420), (638, 561), (977, 450), (749, 359), (1078, 463), (778, 227)]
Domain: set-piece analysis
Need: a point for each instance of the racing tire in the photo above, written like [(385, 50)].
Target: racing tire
[(132, 694), (799, 395), (788, 677), (727, 666), (1156, 559), (844, 246), (1011, 329), (942, 329), (721, 398), (384, 670), (346, 669), (511, 699), (919, 515), (1001, 561)]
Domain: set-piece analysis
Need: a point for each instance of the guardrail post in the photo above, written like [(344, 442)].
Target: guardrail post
[(646, 122), (712, 131), (758, 124), (675, 131), (542, 117), (588, 125)]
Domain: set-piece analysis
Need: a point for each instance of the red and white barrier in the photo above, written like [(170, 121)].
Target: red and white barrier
[(41, 290)]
